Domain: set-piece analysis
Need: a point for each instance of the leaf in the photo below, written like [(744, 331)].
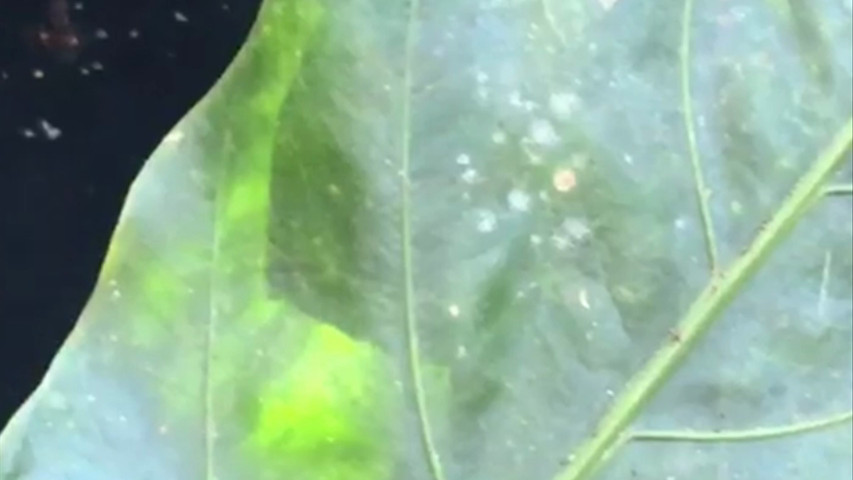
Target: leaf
[(506, 239)]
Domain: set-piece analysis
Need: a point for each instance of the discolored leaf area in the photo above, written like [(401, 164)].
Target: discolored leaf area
[(484, 240)]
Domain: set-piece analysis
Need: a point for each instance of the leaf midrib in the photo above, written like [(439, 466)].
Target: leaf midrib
[(412, 339)]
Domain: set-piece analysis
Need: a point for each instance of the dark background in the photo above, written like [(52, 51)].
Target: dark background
[(76, 125)]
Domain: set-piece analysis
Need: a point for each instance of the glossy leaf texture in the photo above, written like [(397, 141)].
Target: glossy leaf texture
[(485, 240)]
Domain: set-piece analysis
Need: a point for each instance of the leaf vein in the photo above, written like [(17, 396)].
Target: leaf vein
[(702, 191), (839, 190), (213, 313), (745, 435), (412, 339)]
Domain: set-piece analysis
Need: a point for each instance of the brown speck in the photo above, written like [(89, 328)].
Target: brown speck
[(675, 335)]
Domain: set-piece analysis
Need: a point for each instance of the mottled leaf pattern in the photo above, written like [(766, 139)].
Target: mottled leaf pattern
[(484, 240)]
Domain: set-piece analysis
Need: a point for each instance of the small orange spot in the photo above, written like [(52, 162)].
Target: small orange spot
[(565, 180)]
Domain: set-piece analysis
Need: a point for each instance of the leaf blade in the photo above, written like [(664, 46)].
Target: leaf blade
[(549, 249)]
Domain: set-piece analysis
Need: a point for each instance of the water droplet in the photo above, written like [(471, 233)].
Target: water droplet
[(463, 159)]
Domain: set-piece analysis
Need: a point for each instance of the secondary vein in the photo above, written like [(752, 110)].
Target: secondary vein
[(214, 288), (687, 107), (844, 189), (746, 435)]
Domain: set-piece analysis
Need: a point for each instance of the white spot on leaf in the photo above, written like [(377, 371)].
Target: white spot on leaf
[(470, 175), (486, 221), (563, 105), (482, 92), (607, 4), (515, 99), (576, 229), (518, 200), (560, 242), (583, 299), (543, 133)]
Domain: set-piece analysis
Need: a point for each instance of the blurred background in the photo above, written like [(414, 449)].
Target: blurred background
[(87, 90)]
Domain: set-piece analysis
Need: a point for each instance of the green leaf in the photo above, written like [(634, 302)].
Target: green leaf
[(505, 239)]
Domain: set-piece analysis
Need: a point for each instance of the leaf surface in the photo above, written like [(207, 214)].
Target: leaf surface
[(504, 239)]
